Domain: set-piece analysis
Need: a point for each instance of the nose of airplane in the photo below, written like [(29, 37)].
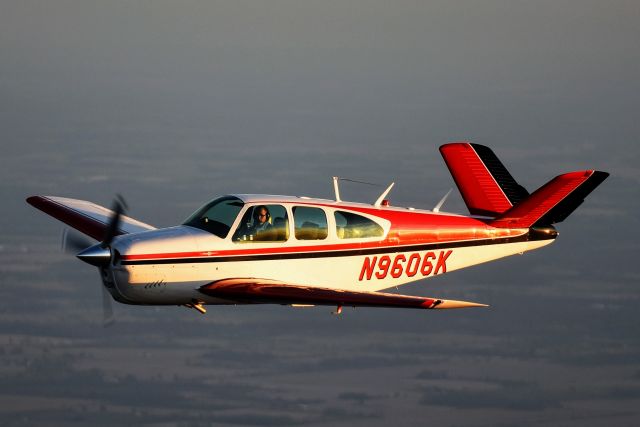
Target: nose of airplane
[(96, 255), (101, 255)]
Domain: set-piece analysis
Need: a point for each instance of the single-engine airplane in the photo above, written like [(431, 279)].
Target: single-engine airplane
[(299, 251)]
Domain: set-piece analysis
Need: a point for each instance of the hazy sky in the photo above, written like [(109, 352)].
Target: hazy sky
[(173, 103)]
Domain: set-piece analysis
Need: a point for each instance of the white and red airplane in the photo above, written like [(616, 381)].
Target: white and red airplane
[(299, 251)]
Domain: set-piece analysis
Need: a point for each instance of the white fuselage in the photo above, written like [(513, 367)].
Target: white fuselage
[(173, 263)]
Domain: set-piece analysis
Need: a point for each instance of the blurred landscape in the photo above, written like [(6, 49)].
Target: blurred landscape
[(172, 104)]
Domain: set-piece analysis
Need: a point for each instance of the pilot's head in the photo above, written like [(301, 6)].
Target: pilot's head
[(261, 214)]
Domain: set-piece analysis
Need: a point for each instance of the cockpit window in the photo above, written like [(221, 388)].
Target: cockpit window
[(352, 226), (263, 223), (217, 216)]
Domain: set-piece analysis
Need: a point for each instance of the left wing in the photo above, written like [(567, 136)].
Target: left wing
[(86, 217), (273, 292)]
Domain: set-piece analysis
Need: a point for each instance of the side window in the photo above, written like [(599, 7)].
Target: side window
[(310, 223), (263, 223), (352, 226)]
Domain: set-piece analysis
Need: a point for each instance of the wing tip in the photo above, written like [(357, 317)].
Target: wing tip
[(450, 304), (33, 200)]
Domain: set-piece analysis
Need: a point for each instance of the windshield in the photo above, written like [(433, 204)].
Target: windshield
[(217, 216)]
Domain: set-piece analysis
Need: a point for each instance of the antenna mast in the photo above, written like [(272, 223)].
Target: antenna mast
[(336, 188)]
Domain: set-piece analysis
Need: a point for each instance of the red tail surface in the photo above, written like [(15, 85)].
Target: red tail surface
[(553, 202), (485, 184), (489, 189)]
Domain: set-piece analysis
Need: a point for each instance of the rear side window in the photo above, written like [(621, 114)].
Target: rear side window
[(310, 223), (353, 226)]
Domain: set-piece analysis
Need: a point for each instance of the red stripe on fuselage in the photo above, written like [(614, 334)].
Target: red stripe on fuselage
[(259, 251), (392, 246)]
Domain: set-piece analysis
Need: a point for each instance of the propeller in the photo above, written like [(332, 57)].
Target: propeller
[(108, 318), (119, 207), (99, 254), (73, 242)]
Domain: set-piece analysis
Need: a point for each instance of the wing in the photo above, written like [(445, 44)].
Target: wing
[(86, 217), (274, 292)]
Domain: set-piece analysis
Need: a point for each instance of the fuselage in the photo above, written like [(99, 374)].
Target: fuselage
[(322, 243)]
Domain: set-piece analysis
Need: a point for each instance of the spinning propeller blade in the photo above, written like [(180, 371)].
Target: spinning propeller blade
[(119, 207), (74, 242), (100, 254), (108, 318)]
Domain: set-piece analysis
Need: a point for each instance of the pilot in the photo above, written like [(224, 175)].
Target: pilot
[(261, 217)]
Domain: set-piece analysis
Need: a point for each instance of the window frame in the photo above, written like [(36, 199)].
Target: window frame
[(383, 223), (329, 211), (204, 208), (327, 217), (251, 205)]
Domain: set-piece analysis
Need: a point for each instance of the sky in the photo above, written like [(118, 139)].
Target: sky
[(174, 103)]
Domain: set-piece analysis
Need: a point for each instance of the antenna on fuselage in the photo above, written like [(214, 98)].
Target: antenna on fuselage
[(336, 188), (441, 202), (383, 195)]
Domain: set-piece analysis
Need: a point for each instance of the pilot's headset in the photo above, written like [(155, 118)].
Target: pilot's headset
[(256, 212)]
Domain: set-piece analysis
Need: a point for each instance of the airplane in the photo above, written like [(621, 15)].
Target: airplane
[(300, 251)]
